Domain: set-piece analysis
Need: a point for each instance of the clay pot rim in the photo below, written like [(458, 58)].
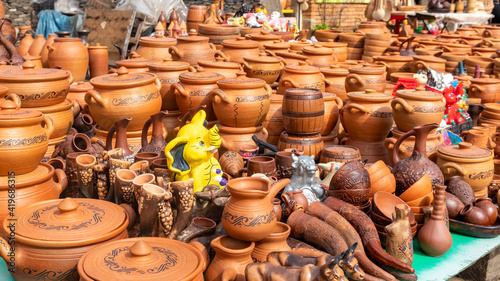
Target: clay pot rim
[(114, 82), (419, 95), (121, 171), (492, 107), (12, 115), (262, 36), (146, 175), (65, 105), (386, 195), (147, 41), (241, 81), (370, 96), (36, 181), (264, 185), (443, 153), (335, 70), (134, 63), (80, 86), (485, 81), (428, 58), (277, 45), (29, 74), (216, 244), (192, 38), (97, 46), (302, 68), (168, 66), (317, 50), (282, 226), (368, 70), (240, 44), (415, 191), (262, 59), (333, 45)]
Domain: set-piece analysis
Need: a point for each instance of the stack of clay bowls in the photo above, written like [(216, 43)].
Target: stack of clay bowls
[(485, 64), (355, 44), (491, 115), (375, 45), (419, 196), (381, 178)]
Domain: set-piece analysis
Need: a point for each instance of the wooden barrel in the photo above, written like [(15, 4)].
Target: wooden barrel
[(303, 111), (196, 15), (310, 144), (274, 119), (339, 153)]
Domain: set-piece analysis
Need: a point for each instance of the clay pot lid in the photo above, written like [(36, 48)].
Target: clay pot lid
[(240, 43), (369, 95), (135, 62), (262, 58), (478, 59), (341, 149), (302, 42), (428, 58), (192, 37), (302, 68), (472, 37), (419, 94), (10, 110), (317, 50), (241, 81), (335, 70), (143, 258), (65, 105), (277, 45), (42, 173), (68, 39), (28, 73), (291, 54), (219, 63), (367, 69), (200, 77), (485, 79), (264, 35), (483, 49), (450, 35), (168, 65), (394, 56), (328, 97), (465, 150), (32, 57), (97, 46), (123, 79), (463, 77), (331, 44), (158, 39), (80, 86)]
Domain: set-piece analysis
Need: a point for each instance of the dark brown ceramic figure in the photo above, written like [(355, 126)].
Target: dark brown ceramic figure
[(149, 201), (474, 111), (461, 189), (351, 183), (157, 143), (183, 193), (411, 169), (74, 142), (120, 127), (231, 162), (284, 164), (260, 164)]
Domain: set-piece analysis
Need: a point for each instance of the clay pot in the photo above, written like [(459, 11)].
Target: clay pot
[(276, 46), (225, 68), (326, 35), (467, 31), (193, 90), (263, 67), (416, 108), (381, 178), (231, 162), (480, 137), (263, 38), (335, 79), (303, 111), (461, 189), (332, 106), (367, 116), (193, 48), (428, 52), (44, 53), (492, 42), (291, 57), (136, 64), (249, 95), (475, 215), (339, 153), (98, 60), (231, 259), (310, 144), (62, 115), (36, 86), (423, 62), (353, 40), (394, 63), (366, 77), (491, 31), (463, 48), (487, 89), (434, 141), (250, 30), (339, 49), (67, 247), (473, 164), (453, 205), (72, 54), (371, 152), (121, 95), (36, 47), (351, 183), (484, 52), (472, 40), (276, 241), (24, 139), (299, 45), (301, 76), (133, 138), (77, 92), (373, 27), (25, 44), (319, 56), (168, 72), (259, 165), (284, 164), (156, 48), (236, 50), (274, 119), (233, 138)]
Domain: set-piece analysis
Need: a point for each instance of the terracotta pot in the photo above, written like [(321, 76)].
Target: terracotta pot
[(276, 46), (339, 153), (326, 35), (36, 86), (284, 165), (250, 97), (339, 49), (59, 251), (472, 40), (373, 27), (487, 89), (310, 144), (480, 137), (263, 38), (351, 183), (195, 16), (259, 165), (236, 50), (396, 75), (274, 119), (434, 141), (233, 138), (335, 79), (276, 241), (367, 116), (423, 62), (492, 42), (369, 151), (491, 31), (465, 48), (299, 45), (44, 53), (416, 108), (72, 54), (303, 111), (77, 92), (301, 76), (98, 60), (250, 30), (467, 31), (168, 72), (319, 56), (155, 48), (263, 67), (394, 63), (24, 139), (366, 77), (225, 68), (136, 64), (25, 44), (473, 164), (231, 259), (193, 48), (231, 162), (332, 106), (62, 116), (428, 52), (484, 52), (36, 47), (489, 208), (121, 95)]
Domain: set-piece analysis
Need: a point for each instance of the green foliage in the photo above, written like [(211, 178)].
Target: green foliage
[(322, 26)]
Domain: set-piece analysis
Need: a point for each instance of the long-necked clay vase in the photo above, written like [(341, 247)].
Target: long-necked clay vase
[(434, 237), (249, 213), (434, 141), (231, 258), (45, 51), (301, 76), (98, 60), (236, 50), (366, 77), (37, 45), (72, 54), (263, 67), (399, 242), (241, 101), (25, 44), (335, 79), (157, 143), (193, 48), (120, 127), (411, 169)]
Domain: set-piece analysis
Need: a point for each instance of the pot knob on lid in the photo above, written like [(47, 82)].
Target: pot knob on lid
[(334, 66), (318, 46), (302, 63), (464, 145), (122, 71), (141, 248), (217, 59), (67, 208), (29, 64), (9, 105), (193, 32), (241, 74), (200, 69), (240, 38), (370, 91)]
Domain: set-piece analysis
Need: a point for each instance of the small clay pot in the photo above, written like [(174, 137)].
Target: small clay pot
[(454, 205), (301, 76), (193, 48), (155, 48), (351, 183), (263, 67), (489, 208), (335, 80), (220, 66), (319, 56), (475, 215), (485, 88), (423, 62), (236, 50)]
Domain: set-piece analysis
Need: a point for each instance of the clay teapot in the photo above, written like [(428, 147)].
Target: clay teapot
[(157, 143), (411, 169), (302, 76), (193, 48), (319, 56)]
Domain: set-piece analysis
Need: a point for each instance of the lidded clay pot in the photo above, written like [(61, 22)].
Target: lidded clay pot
[(367, 116), (24, 138), (226, 68), (339, 49), (77, 92), (62, 115), (36, 86), (473, 164), (150, 258), (423, 62), (236, 50), (123, 95), (168, 72), (135, 64), (72, 54), (276, 46), (416, 108), (193, 48), (301, 76), (467, 31), (299, 45), (366, 77), (487, 89), (395, 63), (241, 101), (263, 38), (233, 138), (291, 57), (155, 48), (335, 79), (53, 235), (263, 67), (319, 56)]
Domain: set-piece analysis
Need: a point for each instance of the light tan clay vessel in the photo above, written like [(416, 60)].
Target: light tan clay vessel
[(263, 67), (301, 76), (236, 50)]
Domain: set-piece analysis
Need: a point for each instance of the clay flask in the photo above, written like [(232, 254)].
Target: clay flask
[(399, 242)]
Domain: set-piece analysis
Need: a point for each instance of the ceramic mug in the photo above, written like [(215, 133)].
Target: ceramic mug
[(124, 187), (260, 164), (284, 164), (85, 168), (247, 151)]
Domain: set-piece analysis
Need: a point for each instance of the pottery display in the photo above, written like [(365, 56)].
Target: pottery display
[(262, 38), (274, 119), (156, 47), (479, 136), (301, 76), (299, 45), (236, 50), (233, 138), (319, 56), (116, 96), (487, 89), (72, 54), (434, 141), (332, 106), (62, 116), (303, 111), (423, 62), (220, 66), (394, 63), (366, 77), (309, 144), (193, 48), (231, 258), (263, 67), (36, 47), (335, 79)]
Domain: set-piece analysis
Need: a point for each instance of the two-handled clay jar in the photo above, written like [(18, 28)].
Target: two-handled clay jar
[(263, 67), (236, 50), (424, 62), (473, 164), (135, 64), (367, 116), (226, 68), (263, 37), (123, 95), (241, 101), (487, 89), (51, 236), (276, 46), (71, 54), (299, 45), (193, 48), (155, 48), (291, 57), (24, 138), (394, 63), (77, 92), (301, 76), (366, 77), (339, 49), (168, 72), (335, 79), (36, 86), (319, 56), (416, 108), (62, 115)]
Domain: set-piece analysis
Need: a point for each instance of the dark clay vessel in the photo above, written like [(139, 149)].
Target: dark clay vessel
[(475, 215), (461, 189), (454, 205), (351, 183), (489, 208)]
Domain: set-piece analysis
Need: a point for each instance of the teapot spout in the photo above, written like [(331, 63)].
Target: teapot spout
[(276, 187)]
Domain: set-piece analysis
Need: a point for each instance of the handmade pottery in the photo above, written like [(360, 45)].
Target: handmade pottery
[(479, 136), (301, 76), (274, 119), (276, 46), (36, 47), (25, 44), (290, 57), (259, 164), (116, 96), (157, 143), (77, 92), (303, 111), (319, 56), (419, 189), (44, 53), (453, 205), (381, 178), (135, 64), (332, 106), (394, 63), (311, 145), (236, 50), (86, 178), (339, 153), (276, 241), (489, 208), (98, 60), (326, 35), (371, 152), (351, 183), (399, 242), (461, 189), (195, 15), (250, 30), (156, 47), (72, 54), (475, 215), (262, 38), (62, 115), (299, 45), (487, 89), (193, 48), (263, 67), (150, 198), (231, 258), (366, 77), (233, 138), (434, 141), (231, 162), (424, 62), (220, 66), (335, 79), (339, 49)]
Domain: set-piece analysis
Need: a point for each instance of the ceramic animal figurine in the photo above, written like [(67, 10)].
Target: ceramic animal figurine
[(329, 168), (303, 178), (191, 154)]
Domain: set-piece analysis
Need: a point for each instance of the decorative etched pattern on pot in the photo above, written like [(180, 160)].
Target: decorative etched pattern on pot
[(42, 96), (134, 100), (243, 220), (23, 142), (112, 261)]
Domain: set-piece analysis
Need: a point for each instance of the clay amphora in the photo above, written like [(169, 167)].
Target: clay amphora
[(25, 44), (157, 143), (249, 214), (399, 242), (335, 79), (434, 237), (120, 127), (275, 241), (98, 60), (37, 45), (72, 54), (411, 169), (231, 259)]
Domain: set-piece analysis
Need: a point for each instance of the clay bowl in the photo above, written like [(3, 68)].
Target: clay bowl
[(419, 189), (491, 115), (384, 204), (381, 220), (422, 201), (396, 75), (418, 209)]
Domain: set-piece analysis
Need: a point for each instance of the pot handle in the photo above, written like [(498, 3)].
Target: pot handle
[(144, 134), (174, 51), (395, 156), (475, 89), (421, 65), (271, 53), (158, 84), (352, 106), (464, 133), (496, 137), (401, 102), (62, 180), (212, 46), (109, 137), (448, 166), (15, 98), (488, 43), (343, 141), (328, 83), (339, 102), (93, 94), (265, 132), (353, 76), (243, 171), (177, 88), (268, 89), (289, 81), (463, 41), (360, 32), (218, 96), (476, 54), (220, 54), (50, 48), (191, 69), (487, 33), (49, 124), (384, 63), (76, 108), (71, 79), (389, 144), (245, 64), (447, 49)]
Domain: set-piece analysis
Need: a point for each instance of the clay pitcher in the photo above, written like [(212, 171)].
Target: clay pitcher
[(249, 214), (231, 259), (399, 242), (120, 127), (411, 169), (157, 143)]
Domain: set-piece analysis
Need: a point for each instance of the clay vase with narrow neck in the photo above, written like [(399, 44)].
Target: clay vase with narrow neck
[(411, 169), (157, 143), (399, 243), (434, 237), (120, 127), (231, 258)]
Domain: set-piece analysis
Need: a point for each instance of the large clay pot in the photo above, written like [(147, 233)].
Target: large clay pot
[(423, 62), (231, 259), (98, 60), (241, 101), (45, 51), (233, 138), (122, 95), (276, 46), (332, 106), (394, 63), (467, 31), (335, 79), (319, 56), (263, 38), (72, 228), (37, 45), (236, 50), (263, 67), (155, 48), (291, 57), (72, 54), (487, 89), (434, 141), (473, 164), (196, 15), (339, 49), (36, 86), (274, 119), (463, 48), (310, 144), (366, 77), (168, 72), (418, 107), (23, 138), (327, 35), (301, 76), (62, 116), (373, 27), (225, 68), (367, 116), (193, 48), (136, 64), (303, 111), (25, 44), (299, 45), (77, 92)]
